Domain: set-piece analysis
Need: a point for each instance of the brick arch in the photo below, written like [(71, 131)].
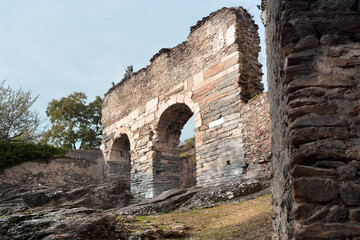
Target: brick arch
[(119, 157), (167, 131), (179, 99), (124, 131)]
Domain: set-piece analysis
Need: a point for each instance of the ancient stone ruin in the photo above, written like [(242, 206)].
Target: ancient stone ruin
[(213, 75), (313, 55)]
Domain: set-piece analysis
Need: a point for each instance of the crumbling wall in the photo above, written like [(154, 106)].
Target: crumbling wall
[(313, 56), (256, 135), (211, 75), (79, 168)]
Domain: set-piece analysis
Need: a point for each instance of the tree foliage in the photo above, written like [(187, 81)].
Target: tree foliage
[(189, 143), (74, 122), (262, 8), (13, 153), (17, 121)]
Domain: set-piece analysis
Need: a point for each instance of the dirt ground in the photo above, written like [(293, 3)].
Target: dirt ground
[(244, 220)]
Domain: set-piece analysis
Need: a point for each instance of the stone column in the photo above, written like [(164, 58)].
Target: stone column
[(313, 55)]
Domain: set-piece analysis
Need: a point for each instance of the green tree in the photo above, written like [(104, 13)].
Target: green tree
[(17, 121), (189, 143), (74, 122)]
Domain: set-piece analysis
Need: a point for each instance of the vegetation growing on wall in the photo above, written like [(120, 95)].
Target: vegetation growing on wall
[(262, 7), (13, 153)]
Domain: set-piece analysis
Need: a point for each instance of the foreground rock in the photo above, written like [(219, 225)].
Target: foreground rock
[(195, 198), (84, 213), (77, 223), (102, 196)]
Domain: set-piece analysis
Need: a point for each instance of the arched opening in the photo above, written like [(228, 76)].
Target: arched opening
[(120, 161), (167, 163), (188, 155)]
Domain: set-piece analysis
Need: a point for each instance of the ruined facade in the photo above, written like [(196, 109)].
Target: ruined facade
[(212, 76), (313, 56)]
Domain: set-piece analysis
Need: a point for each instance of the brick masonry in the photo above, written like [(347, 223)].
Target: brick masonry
[(313, 55), (212, 76)]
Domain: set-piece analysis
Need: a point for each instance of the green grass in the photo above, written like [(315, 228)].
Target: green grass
[(245, 220)]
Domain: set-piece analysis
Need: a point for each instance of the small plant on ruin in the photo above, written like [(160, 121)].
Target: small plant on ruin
[(262, 8), (129, 70)]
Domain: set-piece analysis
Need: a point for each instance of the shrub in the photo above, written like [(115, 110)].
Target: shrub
[(13, 153)]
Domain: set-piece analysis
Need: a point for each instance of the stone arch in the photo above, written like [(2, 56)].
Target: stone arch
[(166, 162), (180, 99), (119, 158)]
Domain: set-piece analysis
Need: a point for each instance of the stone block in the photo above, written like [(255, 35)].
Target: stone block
[(315, 189), (214, 70), (236, 53), (327, 231), (152, 104), (317, 121), (347, 172), (230, 35), (198, 78), (149, 118), (134, 114), (350, 193), (333, 80), (302, 171), (354, 214), (337, 214)]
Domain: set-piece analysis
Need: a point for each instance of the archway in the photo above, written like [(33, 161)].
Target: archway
[(167, 162), (120, 161)]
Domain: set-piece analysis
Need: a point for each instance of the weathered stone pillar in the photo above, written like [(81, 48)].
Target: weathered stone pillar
[(313, 60)]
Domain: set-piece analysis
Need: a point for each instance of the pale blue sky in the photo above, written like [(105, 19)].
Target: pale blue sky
[(56, 47)]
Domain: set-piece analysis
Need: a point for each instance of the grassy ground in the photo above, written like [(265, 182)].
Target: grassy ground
[(245, 220)]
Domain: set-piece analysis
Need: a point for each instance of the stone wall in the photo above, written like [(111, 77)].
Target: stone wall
[(188, 169), (81, 167), (313, 55), (256, 135), (211, 76)]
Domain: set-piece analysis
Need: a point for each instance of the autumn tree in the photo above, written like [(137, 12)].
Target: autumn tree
[(74, 122), (17, 121)]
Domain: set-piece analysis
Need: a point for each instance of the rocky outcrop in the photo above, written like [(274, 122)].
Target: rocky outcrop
[(67, 214), (196, 198), (103, 196), (59, 224)]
